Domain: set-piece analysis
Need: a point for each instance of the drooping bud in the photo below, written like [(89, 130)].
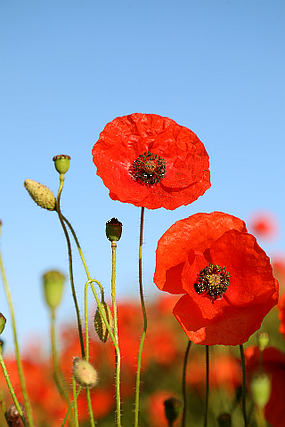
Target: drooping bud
[(263, 340), (53, 288), (2, 323), (61, 163), (260, 386), (40, 194), (13, 417), (172, 408), (114, 229), (99, 323), (225, 420), (84, 373)]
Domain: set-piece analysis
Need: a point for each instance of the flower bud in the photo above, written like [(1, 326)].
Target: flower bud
[(40, 194), (260, 386), (225, 420), (53, 288), (99, 323), (84, 373), (263, 340), (2, 323), (113, 229), (13, 417), (61, 163), (172, 408)]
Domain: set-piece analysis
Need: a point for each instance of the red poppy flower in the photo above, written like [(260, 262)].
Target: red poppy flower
[(226, 278), (264, 225), (151, 161), (273, 363)]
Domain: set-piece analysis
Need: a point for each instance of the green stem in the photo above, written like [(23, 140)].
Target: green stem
[(15, 400), (184, 383), (243, 385), (117, 349), (92, 423), (137, 393), (207, 387), (58, 377), (18, 360), (70, 266), (74, 402)]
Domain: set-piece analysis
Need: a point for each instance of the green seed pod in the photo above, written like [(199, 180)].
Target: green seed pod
[(113, 229), (225, 420), (40, 194), (2, 323), (172, 408), (84, 373), (99, 323), (53, 287), (61, 163), (260, 386), (263, 340)]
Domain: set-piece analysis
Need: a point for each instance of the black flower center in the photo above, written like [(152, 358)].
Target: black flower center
[(213, 280), (148, 168)]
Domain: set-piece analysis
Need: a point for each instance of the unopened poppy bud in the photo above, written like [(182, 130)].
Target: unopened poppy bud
[(99, 323), (53, 288), (40, 194), (84, 373), (61, 163), (114, 229), (260, 386), (13, 417), (172, 408), (2, 323), (225, 420), (263, 340)]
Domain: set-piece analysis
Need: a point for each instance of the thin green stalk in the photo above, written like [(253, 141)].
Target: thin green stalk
[(117, 349), (92, 423), (184, 383), (75, 396), (70, 266), (58, 377), (207, 387), (243, 385), (137, 392), (18, 360), (15, 400)]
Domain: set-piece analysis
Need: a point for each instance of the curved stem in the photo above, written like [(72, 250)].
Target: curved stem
[(137, 395), (117, 348), (243, 385), (184, 383), (18, 360), (15, 400), (70, 267), (207, 387)]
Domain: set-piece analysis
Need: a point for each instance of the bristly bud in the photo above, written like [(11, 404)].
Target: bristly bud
[(99, 323), (61, 163), (84, 373), (260, 386), (263, 340), (2, 323), (13, 417), (53, 288), (114, 229), (172, 408), (225, 420), (40, 194)]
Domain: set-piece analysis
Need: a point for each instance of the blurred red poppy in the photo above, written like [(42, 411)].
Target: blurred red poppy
[(151, 161), (264, 225), (226, 278), (273, 363)]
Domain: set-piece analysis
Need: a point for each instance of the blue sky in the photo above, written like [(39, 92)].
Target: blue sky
[(70, 67)]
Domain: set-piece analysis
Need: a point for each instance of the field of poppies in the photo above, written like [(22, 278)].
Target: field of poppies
[(208, 352)]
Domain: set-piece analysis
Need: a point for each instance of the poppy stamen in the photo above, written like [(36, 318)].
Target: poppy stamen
[(148, 168), (213, 280)]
